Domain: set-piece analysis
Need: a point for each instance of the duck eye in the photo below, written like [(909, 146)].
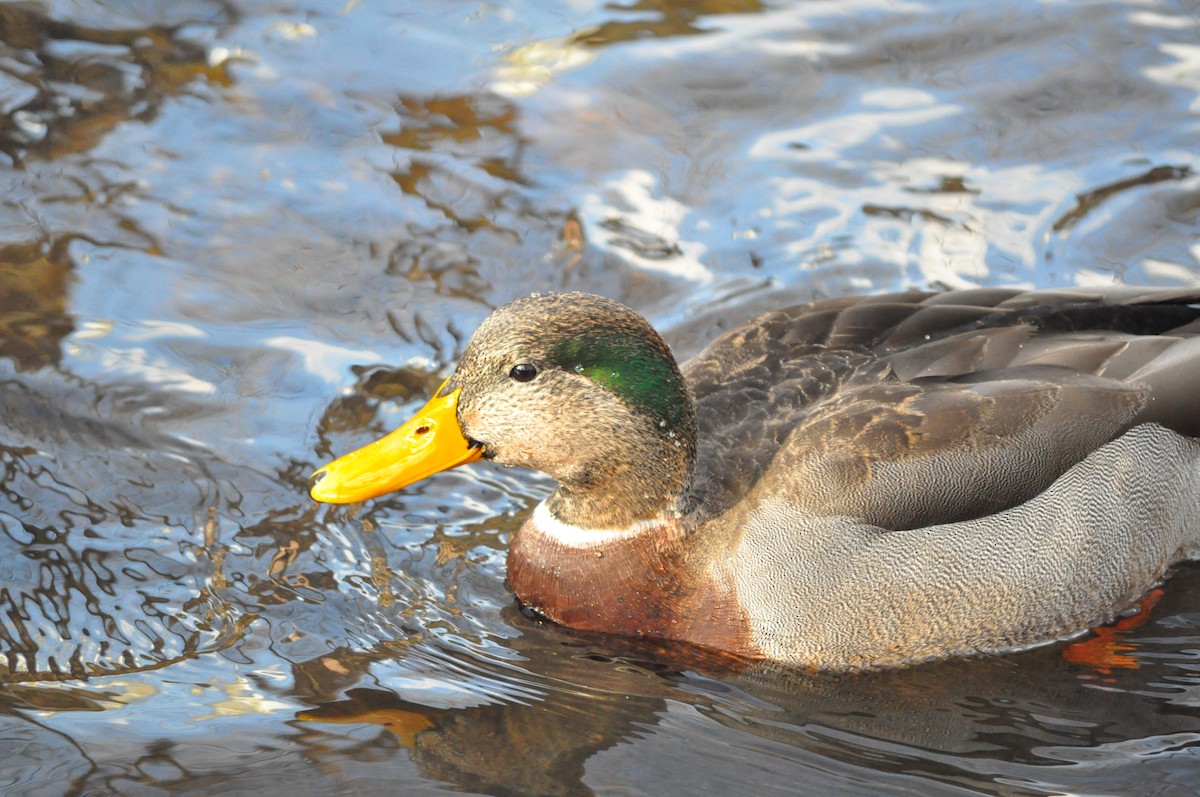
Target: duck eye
[(523, 372)]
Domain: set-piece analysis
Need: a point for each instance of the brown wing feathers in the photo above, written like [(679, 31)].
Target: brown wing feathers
[(919, 408)]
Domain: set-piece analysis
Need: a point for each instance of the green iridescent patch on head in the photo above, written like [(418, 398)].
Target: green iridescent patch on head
[(628, 366)]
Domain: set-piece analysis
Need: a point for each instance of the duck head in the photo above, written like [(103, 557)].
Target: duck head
[(574, 385)]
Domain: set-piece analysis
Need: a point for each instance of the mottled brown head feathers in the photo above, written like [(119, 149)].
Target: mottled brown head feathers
[(606, 412)]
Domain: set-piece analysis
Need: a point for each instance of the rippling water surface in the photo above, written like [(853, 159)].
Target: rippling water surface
[(239, 236)]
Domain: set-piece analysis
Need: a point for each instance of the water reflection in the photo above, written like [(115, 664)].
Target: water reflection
[(237, 238), (102, 573), (950, 723), (34, 277), (75, 83)]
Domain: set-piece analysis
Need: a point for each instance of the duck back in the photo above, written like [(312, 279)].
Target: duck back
[(913, 409)]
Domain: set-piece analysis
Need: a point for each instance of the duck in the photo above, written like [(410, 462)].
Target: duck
[(843, 484)]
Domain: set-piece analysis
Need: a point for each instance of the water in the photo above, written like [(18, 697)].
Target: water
[(237, 238)]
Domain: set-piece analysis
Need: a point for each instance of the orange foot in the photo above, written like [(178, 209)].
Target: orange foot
[(1107, 649)]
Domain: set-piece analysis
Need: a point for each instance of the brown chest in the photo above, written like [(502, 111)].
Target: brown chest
[(646, 586)]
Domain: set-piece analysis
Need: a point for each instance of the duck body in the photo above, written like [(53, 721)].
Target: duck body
[(848, 483)]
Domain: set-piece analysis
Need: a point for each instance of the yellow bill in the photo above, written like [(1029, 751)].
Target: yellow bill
[(431, 442)]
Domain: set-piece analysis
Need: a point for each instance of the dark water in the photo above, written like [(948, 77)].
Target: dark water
[(239, 237)]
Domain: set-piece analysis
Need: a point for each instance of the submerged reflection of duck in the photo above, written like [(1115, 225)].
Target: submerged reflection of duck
[(850, 483)]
